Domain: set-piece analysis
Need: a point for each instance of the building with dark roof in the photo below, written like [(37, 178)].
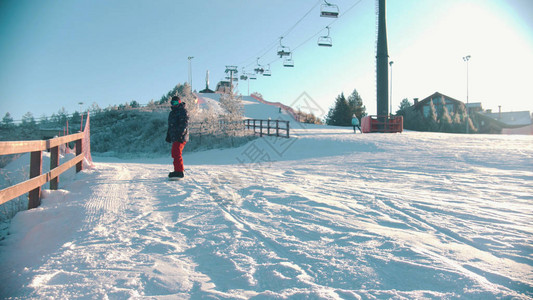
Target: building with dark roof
[(505, 122), (519, 122), (439, 101)]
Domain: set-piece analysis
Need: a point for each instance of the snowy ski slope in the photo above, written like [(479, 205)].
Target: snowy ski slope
[(253, 109), (324, 215)]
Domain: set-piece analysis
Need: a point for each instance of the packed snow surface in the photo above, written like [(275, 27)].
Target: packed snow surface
[(326, 214)]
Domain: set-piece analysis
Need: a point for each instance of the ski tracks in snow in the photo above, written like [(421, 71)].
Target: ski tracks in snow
[(338, 227), (127, 245)]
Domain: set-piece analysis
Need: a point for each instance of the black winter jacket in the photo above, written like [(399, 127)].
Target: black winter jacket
[(178, 122)]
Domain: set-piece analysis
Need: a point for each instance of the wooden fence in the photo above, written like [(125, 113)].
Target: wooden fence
[(33, 185), (266, 124)]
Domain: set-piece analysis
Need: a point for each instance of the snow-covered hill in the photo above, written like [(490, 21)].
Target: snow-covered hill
[(253, 108), (324, 215)]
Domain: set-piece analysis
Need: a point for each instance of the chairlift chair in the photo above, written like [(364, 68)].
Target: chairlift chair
[(259, 69), (283, 50), (329, 10), (244, 75), (267, 71), (325, 41), (288, 62)]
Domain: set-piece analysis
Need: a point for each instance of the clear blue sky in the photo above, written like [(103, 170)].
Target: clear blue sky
[(55, 54)]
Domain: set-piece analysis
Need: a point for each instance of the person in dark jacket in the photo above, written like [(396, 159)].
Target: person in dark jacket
[(177, 134)]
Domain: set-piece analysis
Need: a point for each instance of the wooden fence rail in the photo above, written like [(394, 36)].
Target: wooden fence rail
[(266, 124), (33, 185)]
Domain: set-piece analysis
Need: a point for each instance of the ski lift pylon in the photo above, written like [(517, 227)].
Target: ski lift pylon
[(325, 41), (329, 10)]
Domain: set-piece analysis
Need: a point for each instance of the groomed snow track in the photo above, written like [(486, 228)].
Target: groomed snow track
[(330, 215)]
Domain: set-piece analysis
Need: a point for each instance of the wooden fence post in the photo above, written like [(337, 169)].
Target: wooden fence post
[(268, 127), (36, 168), (54, 163), (287, 128), (277, 128), (260, 127), (79, 144)]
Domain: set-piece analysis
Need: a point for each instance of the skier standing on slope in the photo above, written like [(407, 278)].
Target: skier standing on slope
[(355, 123), (177, 134)]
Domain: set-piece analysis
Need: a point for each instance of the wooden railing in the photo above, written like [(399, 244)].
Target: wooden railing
[(269, 127), (33, 185)]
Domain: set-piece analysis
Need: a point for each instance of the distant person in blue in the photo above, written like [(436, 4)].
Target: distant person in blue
[(177, 134), (355, 123)]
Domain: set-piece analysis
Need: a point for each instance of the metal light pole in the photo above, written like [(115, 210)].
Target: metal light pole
[(190, 71), (466, 59), (390, 96)]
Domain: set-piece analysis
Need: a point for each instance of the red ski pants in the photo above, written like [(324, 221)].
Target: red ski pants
[(177, 148)]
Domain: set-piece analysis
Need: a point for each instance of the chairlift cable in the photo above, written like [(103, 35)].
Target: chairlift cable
[(266, 50), (329, 25), (316, 34), (301, 19), (275, 43)]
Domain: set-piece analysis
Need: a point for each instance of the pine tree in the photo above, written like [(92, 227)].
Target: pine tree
[(356, 105), (28, 126), (340, 114), (412, 119), (60, 119), (404, 106), (134, 104), (7, 122)]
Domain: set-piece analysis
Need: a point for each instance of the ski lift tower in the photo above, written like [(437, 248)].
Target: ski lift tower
[(231, 70), (382, 122), (382, 63)]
